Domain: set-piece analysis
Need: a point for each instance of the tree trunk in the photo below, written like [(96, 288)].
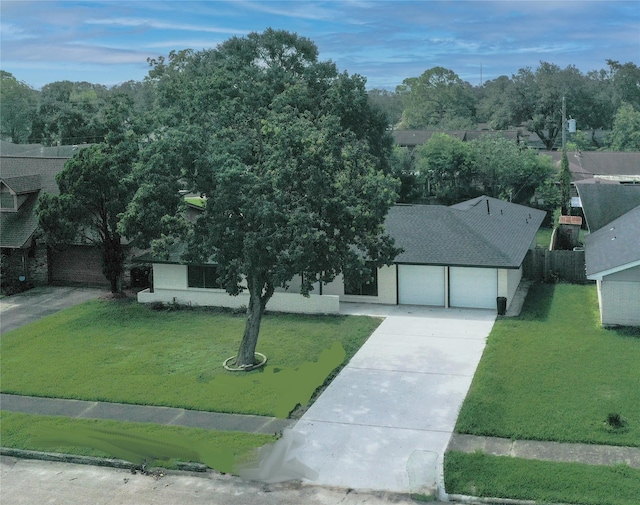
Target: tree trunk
[(246, 353), (113, 263)]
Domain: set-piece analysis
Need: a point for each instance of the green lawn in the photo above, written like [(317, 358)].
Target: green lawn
[(543, 237), (121, 351), (134, 442), (546, 482), (555, 374)]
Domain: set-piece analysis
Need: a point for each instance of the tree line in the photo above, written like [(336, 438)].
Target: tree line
[(608, 99)]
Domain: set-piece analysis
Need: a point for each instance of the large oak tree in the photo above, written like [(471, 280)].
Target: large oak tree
[(292, 160)]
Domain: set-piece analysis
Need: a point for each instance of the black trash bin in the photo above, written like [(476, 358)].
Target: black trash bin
[(501, 301)]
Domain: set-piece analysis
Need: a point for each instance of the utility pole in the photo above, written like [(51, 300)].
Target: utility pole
[(564, 125)]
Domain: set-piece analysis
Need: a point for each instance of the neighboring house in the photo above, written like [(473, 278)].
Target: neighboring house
[(22, 181), (617, 166), (25, 259), (602, 203), (612, 248), (466, 255), (612, 256)]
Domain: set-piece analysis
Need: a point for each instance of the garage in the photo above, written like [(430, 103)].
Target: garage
[(77, 265), (473, 287), (421, 285)]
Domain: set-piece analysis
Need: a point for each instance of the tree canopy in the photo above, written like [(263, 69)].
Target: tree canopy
[(95, 188), (18, 103), (626, 129), (292, 160), (436, 99)]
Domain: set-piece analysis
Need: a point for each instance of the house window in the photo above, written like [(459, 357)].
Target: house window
[(203, 277), (353, 286)]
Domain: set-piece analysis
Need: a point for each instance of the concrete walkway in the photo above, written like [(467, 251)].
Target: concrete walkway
[(385, 421), (143, 414), (590, 454)]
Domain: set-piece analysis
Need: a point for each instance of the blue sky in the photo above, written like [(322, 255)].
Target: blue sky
[(108, 42)]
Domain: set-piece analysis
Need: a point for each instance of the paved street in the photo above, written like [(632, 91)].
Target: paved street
[(31, 482)]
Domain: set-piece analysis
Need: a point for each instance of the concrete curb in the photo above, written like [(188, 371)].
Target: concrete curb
[(476, 500), (92, 460)]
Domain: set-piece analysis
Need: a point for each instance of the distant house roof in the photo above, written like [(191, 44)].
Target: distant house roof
[(413, 138), (483, 232), (614, 247), (590, 164), (26, 176), (602, 203), (38, 150)]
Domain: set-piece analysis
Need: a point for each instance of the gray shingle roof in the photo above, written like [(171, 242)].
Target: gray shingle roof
[(615, 245), (412, 138), (460, 235), (602, 203), (38, 150), (466, 234), (587, 164), (16, 228), (24, 183)]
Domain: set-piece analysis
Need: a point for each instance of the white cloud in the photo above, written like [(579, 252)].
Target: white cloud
[(12, 32), (162, 25)]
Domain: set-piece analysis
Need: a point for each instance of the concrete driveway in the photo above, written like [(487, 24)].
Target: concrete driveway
[(386, 420), (36, 303)]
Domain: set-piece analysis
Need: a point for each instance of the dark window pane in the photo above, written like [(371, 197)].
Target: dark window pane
[(195, 277), (369, 288)]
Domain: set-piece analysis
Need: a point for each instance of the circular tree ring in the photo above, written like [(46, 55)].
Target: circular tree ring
[(262, 360)]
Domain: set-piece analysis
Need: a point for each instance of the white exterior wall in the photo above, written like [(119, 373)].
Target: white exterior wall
[(508, 282), (169, 276), (619, 298), (387, 288), (280, 302), (170, 286)]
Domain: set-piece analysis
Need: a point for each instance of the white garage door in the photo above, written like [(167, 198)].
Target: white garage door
[(473, 287), (421, 285)]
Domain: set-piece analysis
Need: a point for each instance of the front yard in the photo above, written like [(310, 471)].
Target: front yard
[(120, 351), (552, 374)]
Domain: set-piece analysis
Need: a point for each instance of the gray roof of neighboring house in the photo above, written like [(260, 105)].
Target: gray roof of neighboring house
[(588, 164), (418, 137), (38, 150), (614, 246), (23, 183), (26, 175), (602, 203), (466, 234), (412, 138)]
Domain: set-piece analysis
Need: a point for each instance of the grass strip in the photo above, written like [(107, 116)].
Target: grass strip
[(479, 474), (160, 445), (121, 351), (555, 374)]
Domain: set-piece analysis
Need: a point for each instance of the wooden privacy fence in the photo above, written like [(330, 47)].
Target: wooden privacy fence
[(545, 265)]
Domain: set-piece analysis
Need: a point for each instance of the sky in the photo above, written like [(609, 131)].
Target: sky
[(108, 42)]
